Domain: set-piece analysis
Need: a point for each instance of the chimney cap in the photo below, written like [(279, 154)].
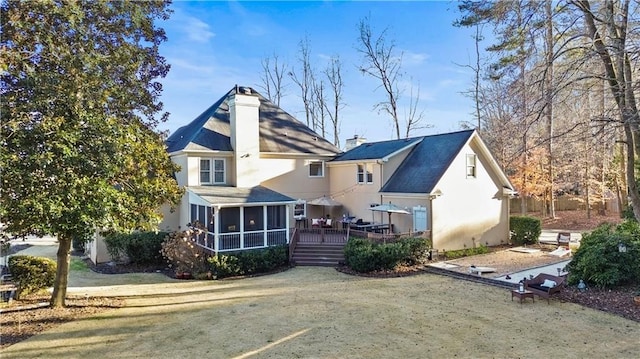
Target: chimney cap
[(244, 90)]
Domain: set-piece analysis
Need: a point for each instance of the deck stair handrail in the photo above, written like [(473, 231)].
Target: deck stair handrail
[(293, 241)]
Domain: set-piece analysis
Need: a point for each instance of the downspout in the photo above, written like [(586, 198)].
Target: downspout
[(430, 221)]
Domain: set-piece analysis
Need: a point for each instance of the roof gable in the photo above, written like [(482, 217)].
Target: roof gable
[(376, 150), (279, 131), (426, 163)]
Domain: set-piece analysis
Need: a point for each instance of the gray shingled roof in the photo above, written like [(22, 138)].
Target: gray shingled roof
[(426, 163), (279, 131), (233, 196), (375, 150)]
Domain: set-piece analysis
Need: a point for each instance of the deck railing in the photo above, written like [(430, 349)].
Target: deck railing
[(247, 240), (257, 239), (323, 235)]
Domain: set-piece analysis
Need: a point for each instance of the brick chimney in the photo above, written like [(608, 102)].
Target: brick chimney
[(244, 115)]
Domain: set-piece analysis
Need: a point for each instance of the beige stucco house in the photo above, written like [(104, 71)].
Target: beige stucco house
[(251, 172)]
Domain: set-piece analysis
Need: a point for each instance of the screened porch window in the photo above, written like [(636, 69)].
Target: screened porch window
[(253, 219), (276, 217), (229, 220)]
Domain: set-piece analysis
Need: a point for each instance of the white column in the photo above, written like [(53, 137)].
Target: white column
[(241, 227), (264, 226), (216, 230), (288, 221)]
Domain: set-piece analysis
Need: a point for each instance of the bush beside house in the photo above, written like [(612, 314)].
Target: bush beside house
[(250, 262), (138, 247), (524, 230), (364, 256)]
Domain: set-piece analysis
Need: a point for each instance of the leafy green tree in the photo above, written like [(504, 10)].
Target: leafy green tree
[(80, 150)]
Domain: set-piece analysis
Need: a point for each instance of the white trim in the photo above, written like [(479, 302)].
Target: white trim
[(413, 143), (365, 174), (309, 162), (325, 156), (212, 170), (474, 165)]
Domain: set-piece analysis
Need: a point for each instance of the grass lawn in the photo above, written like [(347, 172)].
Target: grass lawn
[(321, 313)]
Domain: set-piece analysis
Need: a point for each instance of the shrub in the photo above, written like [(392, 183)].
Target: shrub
[(249, 262), (31, 274), (182, 253), (364, 256), (138, 247), (78, 244), (524, 230), (418, 250), (598, 260), (358, 254)]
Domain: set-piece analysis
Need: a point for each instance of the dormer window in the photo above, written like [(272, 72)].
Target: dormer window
[(212, 171), (316, 168), (471, 166)]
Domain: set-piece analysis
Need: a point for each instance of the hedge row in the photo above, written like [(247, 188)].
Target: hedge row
[(364, 256), (138, 247), (254, 261)]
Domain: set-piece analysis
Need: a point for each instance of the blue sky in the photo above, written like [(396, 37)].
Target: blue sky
[(214, 45)]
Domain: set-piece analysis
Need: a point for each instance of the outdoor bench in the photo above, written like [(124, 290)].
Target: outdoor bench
[(541, 285)]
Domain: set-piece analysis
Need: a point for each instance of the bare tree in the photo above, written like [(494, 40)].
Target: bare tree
[(272, 79), (607, 27), (304, 79), (414, 119), (382, 63), (319, 106), (333, 72), (548, 95)]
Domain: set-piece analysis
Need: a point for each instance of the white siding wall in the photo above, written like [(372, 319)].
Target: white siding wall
[(471, 211)]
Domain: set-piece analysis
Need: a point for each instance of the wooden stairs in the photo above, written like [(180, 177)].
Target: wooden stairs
[(318, 254)]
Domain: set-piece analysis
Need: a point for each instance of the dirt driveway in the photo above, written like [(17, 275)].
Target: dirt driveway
[(321, 313)]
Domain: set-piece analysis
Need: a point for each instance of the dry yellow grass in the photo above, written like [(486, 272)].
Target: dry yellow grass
[(322, 313)]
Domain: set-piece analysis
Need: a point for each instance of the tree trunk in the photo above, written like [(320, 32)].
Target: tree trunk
[(62, 273), (622, 187), (634, 196), (549, 104)]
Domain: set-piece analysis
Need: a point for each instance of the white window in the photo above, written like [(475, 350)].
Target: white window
[(471, 166), (300, 209), (212, 171), (316, 168), (365, 173)]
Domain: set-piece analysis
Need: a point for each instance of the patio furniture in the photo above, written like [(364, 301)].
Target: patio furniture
[(315, 222), (327, 223), (563, 238), (7, 288), (544, 285), (522, 295)]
